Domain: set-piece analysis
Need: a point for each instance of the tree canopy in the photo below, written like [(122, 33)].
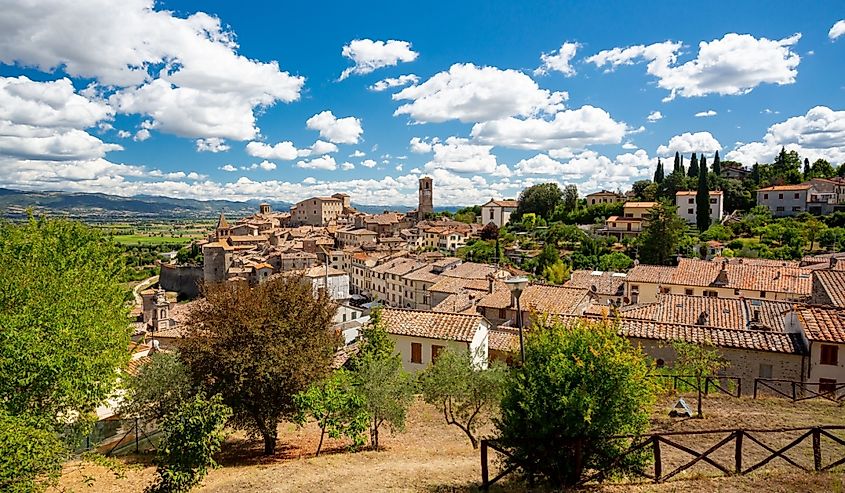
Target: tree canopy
[(258, 347), (541, 199), (661, 237)]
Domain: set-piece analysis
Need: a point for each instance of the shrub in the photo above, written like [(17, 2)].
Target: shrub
[(578, 385)]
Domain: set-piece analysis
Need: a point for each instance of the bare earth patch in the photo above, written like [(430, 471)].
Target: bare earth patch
[(433, 457)]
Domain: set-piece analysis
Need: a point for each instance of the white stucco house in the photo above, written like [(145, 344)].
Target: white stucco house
[(497, 212), (421, 335)]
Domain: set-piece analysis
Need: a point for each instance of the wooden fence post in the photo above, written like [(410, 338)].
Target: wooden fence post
[(817, 449), (738, 452), (793, 391), (739, 387), (755, 388), (484, 472), (658, 465)]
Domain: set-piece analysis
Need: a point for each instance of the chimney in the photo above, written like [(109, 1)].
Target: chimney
[(722, 277), (490, 283), (833, 262)]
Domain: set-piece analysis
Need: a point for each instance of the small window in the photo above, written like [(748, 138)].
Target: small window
[(503, 313), (635, 288), (765, 196), (690, 201), (416, 352), (688, 292), (829, 355), (711, 294), (780, 196), (689, 211), (765, 371), (435, 352), (712, 201), (779, 209), (762, 294), (796, 195)]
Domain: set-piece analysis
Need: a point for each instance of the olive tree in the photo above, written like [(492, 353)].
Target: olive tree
[(701, 360), (468, 395)]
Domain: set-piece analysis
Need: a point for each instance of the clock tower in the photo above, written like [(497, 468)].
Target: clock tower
[(426, 190)]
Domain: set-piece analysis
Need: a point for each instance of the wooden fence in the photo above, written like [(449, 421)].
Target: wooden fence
[(801, 391), (656, 444), (731, 386)]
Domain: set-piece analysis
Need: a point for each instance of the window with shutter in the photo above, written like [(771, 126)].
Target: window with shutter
[(416, 352)]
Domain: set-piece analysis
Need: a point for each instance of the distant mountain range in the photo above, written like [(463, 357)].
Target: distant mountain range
[(15, 203)]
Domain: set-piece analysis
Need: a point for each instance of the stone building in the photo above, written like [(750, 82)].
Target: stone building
[(426, 199), (318, 211), (497, 212)]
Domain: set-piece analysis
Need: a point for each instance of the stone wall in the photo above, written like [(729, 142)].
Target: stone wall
[(182, 279)]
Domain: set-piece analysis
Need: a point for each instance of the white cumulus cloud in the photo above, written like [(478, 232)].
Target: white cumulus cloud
[(654, 116), (473, 94), (322, 162), (733, 64), (284, 151), (346, 130), (369, 55), (704, 114), (459, 155), (690, 142), (837, 30), (559, 60), (368, 163), (402, 80), (211, 144)]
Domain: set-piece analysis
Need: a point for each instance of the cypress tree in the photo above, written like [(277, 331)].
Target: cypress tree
[(717, 165), (702, 197), (678, 165), (755, 174), (806, 169), (681, 168), (692, 172), (658, 173)]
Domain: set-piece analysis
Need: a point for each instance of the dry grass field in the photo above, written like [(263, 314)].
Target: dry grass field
[(433, 457)]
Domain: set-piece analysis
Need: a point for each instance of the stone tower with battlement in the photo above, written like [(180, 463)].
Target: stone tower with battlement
[(426, 205)]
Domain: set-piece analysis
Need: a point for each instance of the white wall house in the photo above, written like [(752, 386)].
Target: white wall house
[(497, 212), (823, 331), (687, 205), (421, 335), (337, 281)]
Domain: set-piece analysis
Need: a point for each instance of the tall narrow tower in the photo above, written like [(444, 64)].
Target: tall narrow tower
[(426, 189)]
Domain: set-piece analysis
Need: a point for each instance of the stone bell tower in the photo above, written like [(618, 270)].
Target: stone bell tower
[(426, 206)]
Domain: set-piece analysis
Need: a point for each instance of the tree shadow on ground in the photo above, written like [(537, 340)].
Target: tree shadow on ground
[(247, 452)]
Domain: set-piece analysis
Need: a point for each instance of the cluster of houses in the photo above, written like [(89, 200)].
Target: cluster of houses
[(769, 319)]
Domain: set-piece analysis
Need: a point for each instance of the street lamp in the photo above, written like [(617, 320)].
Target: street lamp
[(517, 286)]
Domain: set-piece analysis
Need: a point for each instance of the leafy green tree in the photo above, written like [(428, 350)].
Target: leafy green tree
[(192, 435), (557, 273), (478, 251), (813, 228), (701, 360), (615, 262), (159, 388), (658, 172), (337, 407), (692, 171), (787, 168), (541, 199), (468, 395), (258, 347), (661, 237), (564, 233), (31, 455), (640, 188), (64, 333), (570, 198), (702, 197), (548, 256), (671, 184), (822, 169), (717, 164), (716, 232), (579, 384), (386, 388)]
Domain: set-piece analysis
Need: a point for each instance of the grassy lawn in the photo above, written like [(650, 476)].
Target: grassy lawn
[(431, 456)]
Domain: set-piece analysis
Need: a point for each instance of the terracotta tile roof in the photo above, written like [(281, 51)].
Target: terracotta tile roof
[(781, 279), (619, 219), (603, 192), (757, 340), (832, 282), (504, 339), (541, 298), (461, 302), (431, 325), (726, 313), (786, 188), (606, 283), (502, 203), (685, 193), (640, 205), (825, 324), (471, 270), (342, 355), (320, 271), (135, 365), (455, 284), (658, 274)]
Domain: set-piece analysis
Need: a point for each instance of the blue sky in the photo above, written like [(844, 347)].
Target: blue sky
[(244, 100)]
